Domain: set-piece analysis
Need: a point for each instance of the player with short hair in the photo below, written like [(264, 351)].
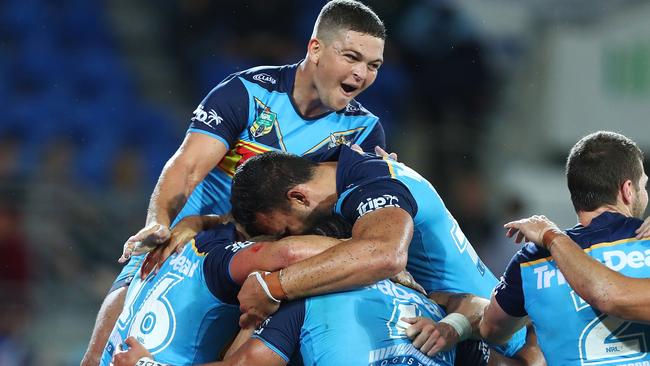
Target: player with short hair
[(576, 304), (398, 221), (307, 108)]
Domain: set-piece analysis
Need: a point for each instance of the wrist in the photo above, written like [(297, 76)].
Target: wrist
[(275, 285), (460, 323), (550, 236)]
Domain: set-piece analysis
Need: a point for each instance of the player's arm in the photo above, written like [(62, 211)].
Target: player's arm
[(604, 289), (272, 256), (497, 326), (377, 250), (462, 322), (106, 317)]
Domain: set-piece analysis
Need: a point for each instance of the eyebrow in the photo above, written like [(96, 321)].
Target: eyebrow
[(360, 55)]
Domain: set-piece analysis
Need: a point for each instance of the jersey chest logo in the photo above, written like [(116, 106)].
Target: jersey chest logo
[(265, 118)]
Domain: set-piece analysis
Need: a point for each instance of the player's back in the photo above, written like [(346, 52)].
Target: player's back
[(174, 314), (359, 327), (569, 330), (440, 257)]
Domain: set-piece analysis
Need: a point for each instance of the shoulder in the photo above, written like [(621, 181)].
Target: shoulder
[(208, 240), (271, 78)]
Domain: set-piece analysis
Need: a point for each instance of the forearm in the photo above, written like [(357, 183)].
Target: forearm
[(297, 248), (348, 265), (106, 317), (174, 186), (470, 306), (496, 326), (601, 287)]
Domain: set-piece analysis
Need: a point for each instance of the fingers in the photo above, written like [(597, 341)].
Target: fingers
[(247, 320), (381, 152), (357, 148), (644, 230), (433, 344)]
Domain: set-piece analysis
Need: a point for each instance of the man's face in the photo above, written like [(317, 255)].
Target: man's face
[(281, 223), (347, 65), (641, 201)]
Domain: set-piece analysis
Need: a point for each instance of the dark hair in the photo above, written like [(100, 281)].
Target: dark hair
[(597, 166), (260, 185), (349, 15)]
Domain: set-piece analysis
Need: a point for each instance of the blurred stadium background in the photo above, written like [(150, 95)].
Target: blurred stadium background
[(484, 98)]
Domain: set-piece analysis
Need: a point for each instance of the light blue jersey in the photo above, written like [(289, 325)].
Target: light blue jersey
[(253, 112), (569, 331), (440, 257), (187, 313), (360, 327)]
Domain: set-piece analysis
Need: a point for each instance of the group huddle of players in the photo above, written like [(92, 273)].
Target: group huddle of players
[(361, 262)]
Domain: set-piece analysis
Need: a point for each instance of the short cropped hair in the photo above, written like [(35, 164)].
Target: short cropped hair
[(260, 185), (352, 15), (598, 165)]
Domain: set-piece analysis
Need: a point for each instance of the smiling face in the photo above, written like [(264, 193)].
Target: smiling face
[(345, 66)]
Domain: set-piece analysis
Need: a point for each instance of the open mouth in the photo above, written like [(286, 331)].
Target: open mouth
[(347, 88)]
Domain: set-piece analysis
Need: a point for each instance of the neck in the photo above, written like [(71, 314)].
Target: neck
[(585, 217), (325, 178), (305, 95)]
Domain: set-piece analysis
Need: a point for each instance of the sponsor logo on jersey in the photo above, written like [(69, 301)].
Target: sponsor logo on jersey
[(372, 204), (184, 265), (547, 277), (351, 108), (208, 118), (239, 245), (338, 140), (259, 330), (618, 259), (264, 78), (264, 120)]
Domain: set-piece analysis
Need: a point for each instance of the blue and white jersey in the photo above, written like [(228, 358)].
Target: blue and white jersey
[(569, 331), (188, 312), (440, 257), (359, 327), (253, 112)]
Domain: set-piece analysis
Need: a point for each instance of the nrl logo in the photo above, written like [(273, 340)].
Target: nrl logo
[(264, 78), (338, 140), (207, 117), (264, 121)]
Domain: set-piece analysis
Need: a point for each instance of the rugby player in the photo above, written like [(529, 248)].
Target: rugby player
[(584, 312), (398, 221), (187, 313), (360, 327), (306, 108)]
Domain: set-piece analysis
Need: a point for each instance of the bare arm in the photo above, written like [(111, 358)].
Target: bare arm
[(197, 155), (106, 317), (272, 256), (377, 250), (497, 326), (601, 287)]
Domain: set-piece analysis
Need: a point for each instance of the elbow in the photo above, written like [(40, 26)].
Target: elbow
[(491, 333), (390, 263)]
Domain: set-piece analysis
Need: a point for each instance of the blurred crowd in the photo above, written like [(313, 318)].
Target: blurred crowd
[(83, 136)]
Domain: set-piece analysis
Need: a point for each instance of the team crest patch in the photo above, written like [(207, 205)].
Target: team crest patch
[(337, 140), (264, 120)]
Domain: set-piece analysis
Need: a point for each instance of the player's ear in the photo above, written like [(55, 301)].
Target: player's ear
[(627, 192), (297, 195), (314, 49)]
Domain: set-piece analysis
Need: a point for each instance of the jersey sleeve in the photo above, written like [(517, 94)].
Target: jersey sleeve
[(217, 271), (223, 114), (377, 137), (281, 331), (509, 292), (378, 194)]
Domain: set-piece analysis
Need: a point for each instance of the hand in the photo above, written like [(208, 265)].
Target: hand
[(531, 229), (145, 240), (381, 152), (254, 304), (404, 278), (643, 232), (130, 357), (430, 337), (184, 231)]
